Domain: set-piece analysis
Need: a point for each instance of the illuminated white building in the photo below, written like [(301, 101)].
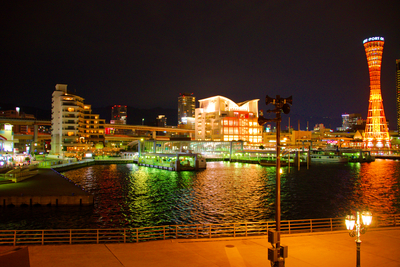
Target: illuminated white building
[(220, 119), (7, 138), (74, 127)]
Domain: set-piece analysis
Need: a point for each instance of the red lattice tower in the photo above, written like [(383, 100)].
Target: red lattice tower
[(376, 130)]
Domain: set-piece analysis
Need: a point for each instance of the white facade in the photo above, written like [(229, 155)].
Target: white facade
[(73, 124), (220, 119), (7, 138)]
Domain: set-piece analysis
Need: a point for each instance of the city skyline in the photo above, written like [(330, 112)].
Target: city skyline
[(144, 53)]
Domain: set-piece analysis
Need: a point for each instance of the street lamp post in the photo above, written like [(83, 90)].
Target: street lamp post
[(357, 225), (278, 253)]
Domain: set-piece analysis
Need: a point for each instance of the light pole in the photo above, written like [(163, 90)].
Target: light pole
[(357, 225), (278, 253)]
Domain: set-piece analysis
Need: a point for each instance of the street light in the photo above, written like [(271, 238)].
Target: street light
[(278, 253), (357, 226)]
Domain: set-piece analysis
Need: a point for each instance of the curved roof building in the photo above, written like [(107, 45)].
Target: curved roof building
[(218, 118)]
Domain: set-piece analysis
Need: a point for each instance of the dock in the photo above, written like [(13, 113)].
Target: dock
[(47, 188)]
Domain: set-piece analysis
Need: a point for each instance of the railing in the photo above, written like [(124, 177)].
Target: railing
[(18, 175), (195, 231)]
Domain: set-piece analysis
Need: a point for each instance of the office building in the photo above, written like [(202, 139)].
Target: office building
[(376, 129), (74, 127), (119, 114), (186, 109), (220, 119), (352, 122)]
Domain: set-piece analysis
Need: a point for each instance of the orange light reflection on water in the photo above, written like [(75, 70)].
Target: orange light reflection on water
[(378, 187)]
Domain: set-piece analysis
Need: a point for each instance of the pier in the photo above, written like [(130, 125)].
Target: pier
[(45, 188)]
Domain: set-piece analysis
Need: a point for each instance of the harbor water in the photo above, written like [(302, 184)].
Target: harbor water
[(126, 195)]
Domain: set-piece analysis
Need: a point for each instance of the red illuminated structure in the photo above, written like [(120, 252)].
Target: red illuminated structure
[(376, 130)]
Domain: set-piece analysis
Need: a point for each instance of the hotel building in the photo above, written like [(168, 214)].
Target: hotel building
[(220, 119), (74, 127)]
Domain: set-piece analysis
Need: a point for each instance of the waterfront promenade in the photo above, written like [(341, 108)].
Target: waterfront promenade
[(380, 247)]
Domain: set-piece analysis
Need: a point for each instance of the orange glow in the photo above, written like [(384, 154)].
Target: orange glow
[(376, 130)]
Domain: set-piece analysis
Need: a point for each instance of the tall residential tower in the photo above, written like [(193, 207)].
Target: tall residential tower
[(376, 129), (186, 109), (118, 114)]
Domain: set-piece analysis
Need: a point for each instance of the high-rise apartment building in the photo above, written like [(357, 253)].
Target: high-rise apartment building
[(74, 127), (186, 108), (220, 119), (376, 129), (398, 93), (161, 121), (118, 114)]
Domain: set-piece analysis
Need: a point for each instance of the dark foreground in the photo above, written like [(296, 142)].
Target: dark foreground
[(380, 247)]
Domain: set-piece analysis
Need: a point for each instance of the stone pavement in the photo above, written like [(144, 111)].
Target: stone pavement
[(380, 247)]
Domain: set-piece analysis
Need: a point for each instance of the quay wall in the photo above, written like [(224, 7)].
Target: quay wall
[(81, 200), (395, 157), (76, 165)]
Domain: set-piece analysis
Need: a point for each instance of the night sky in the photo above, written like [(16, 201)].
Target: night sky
[(144, 53)]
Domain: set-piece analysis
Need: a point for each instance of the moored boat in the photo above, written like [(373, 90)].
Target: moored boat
[(328, 158), (271, 163)]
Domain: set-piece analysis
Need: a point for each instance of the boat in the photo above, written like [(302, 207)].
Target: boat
[(264, 162), (327, 158)]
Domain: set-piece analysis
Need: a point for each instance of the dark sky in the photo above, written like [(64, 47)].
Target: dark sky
[(144, 53)]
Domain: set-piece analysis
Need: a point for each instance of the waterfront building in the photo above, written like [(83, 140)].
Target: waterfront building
[(30, 135), (352, 122), (6, 138), (220, 119), (119, 114), (186, 110), (398, 93), (376, 129), (74, 127)]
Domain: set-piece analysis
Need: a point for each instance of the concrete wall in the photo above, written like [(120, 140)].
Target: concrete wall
[(46, 200)]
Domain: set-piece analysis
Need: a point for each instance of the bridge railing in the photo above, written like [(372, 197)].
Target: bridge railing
[(194, 231)]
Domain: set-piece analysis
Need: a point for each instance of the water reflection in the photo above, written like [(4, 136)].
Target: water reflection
[(378, 187), (132, 196)]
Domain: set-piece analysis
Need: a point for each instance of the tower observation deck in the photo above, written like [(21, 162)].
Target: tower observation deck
[(376, 129)]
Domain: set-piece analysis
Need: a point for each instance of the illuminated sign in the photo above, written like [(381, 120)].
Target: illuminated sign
[(373, 39)]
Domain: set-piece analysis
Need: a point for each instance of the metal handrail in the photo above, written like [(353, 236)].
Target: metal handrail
[(191, 231)]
